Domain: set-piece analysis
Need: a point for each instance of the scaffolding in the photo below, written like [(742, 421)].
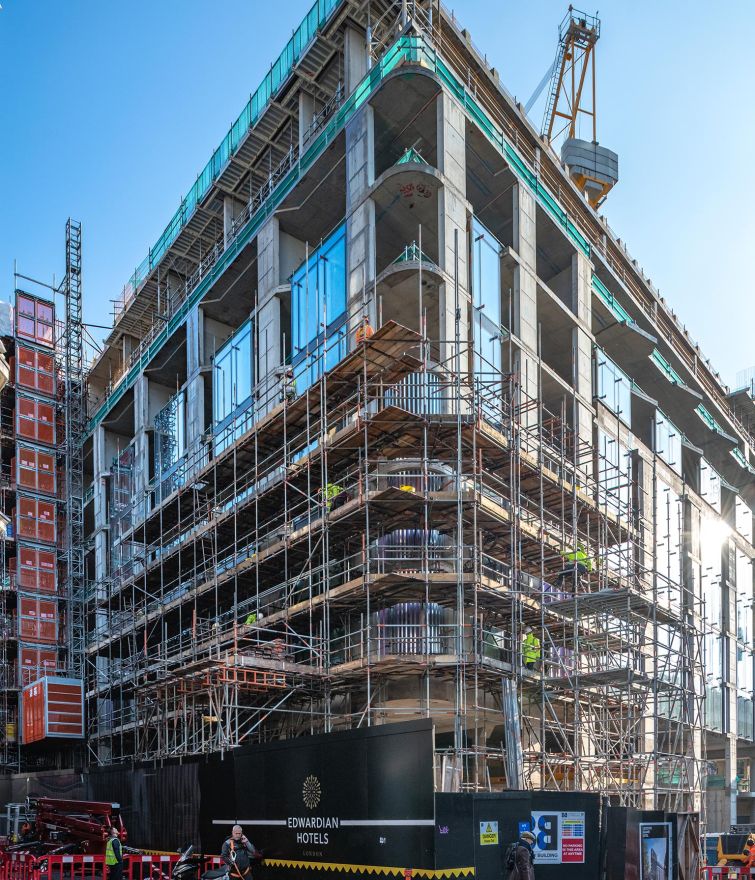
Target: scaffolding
[(258, 605), (72, 450)]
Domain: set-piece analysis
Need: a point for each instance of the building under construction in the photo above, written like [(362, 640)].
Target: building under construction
[(390, 425)]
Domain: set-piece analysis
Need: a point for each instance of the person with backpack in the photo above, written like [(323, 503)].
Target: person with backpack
[(520, 858)]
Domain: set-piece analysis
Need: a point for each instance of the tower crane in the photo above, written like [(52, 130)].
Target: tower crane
[(572, 95)]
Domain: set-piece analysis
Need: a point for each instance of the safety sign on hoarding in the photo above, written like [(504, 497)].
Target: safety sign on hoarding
[(559, 837), (488, 834)]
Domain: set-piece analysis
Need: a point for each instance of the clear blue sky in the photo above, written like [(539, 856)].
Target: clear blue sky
[(109, 109)]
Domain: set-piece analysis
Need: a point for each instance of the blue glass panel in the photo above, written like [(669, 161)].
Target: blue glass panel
[(318, 307), (233, 378), (486, 272)]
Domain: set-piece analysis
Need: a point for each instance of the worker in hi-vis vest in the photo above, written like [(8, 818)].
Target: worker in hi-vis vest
[(531, 649), (576, 564), (114, 855)]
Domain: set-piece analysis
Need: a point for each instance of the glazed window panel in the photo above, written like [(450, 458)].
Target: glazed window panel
[(486, 314), (614, 387), (233, 380), (710, 485), (668, 442), (668, 545), (712, 537), (713, 675), (614, 473), (318, 303), (170, 444), (486, 273)]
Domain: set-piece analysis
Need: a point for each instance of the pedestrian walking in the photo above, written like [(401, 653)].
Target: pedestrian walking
[(520, 858)]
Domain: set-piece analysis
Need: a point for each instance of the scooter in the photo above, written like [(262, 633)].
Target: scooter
[(186, 868)]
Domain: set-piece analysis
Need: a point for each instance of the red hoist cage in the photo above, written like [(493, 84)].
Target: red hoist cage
[(34, 476)]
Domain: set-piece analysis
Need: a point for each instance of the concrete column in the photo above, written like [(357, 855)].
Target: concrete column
[(141, 446), (360, 223), (729, 600), (268, 317), (195, 389), (306, 115), (581, 287), (354, 58), (453, 245), (729, 805), (524, 318), (231, 210)]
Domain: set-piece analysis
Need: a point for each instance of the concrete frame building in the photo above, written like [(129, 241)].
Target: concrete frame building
[(383, 378)]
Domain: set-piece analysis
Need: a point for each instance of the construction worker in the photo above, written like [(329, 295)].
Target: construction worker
[(520, 858), (26, 834), (531, 649), (364, 331), (114, 855), (237, 853), (289, 385), (576, 564), (334, 495)]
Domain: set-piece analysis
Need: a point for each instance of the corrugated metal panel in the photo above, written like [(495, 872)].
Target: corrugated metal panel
[(53, 707), (65, 707), (33, 713)]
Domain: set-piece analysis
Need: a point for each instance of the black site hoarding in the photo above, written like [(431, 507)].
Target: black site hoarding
[(476, 828), (359, 798)]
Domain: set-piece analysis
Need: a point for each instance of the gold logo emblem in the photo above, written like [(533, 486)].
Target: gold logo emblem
[(311, 792)]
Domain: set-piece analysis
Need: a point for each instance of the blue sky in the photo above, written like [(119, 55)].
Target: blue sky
[(109, 109)]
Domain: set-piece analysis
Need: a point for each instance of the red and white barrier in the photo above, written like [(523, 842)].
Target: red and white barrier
[(732, 872), (149, 867)]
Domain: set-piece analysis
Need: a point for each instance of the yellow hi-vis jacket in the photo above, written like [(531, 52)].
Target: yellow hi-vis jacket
[(530, 648), (110, 856), (579, 555), (331, 491)]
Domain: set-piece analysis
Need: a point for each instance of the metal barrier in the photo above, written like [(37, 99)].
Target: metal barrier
[(73, 867), (24, 866), (149, 867), (732, 872), (18, 866)]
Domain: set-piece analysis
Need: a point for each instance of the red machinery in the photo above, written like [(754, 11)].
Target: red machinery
[(70, 826)]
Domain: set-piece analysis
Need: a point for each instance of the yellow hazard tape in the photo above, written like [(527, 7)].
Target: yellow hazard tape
[(372, 869)]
